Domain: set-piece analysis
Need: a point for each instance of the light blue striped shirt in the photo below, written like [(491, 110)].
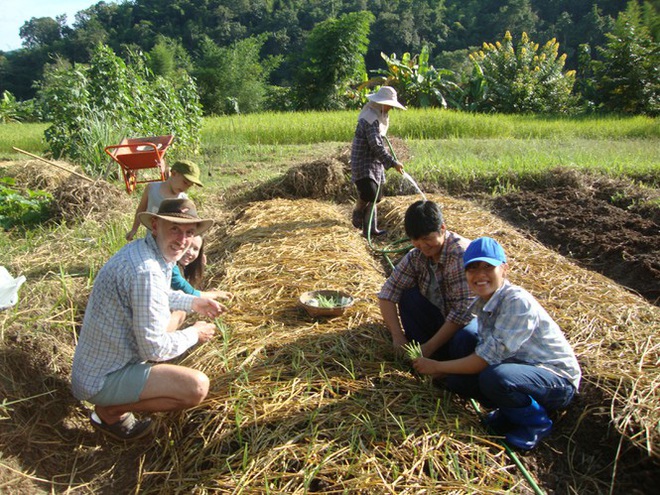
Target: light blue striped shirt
[(514, 328), (127, 316)]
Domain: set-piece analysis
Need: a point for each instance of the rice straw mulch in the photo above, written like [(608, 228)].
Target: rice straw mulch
[(301, 404), (323, 405), (313, 405)]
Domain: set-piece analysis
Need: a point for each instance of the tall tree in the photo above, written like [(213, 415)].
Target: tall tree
[(333, 58), (628, 73), (232, 79), (42, 31)]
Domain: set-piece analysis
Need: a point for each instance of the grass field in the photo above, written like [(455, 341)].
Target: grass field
[(454, 150)]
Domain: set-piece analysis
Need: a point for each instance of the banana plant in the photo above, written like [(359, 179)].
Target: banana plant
[(417, 82), (9, 108)]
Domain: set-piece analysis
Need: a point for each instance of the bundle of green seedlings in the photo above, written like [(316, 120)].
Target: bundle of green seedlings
[(413, 350), (327, 301)]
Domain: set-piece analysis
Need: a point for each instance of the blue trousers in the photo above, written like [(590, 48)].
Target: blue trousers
[(421, 320), (511, 385)]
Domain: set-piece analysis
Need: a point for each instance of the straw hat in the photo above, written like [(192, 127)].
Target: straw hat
[(180, 211), (386, 95)]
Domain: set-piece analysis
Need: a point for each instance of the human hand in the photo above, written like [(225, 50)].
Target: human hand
[(218, 294), (130, 234), (205, 331), (426, 366), (398, 343), (207, 307), (399, 167), (399, 340)]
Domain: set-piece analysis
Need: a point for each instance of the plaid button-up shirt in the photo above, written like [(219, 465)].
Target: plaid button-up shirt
[(127, 316), (451, 295), (369, 156)]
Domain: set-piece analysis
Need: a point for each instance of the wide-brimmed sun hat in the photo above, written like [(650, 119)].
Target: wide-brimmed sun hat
[(180, 211), (386, 95), (190, 170), (484, 249)]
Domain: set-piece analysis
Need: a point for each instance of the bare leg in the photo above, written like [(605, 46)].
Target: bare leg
[(168, 388), (176, 320)]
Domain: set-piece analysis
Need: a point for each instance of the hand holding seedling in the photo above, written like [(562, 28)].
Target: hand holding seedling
[(426, 366), (218, 295), (205, 331)]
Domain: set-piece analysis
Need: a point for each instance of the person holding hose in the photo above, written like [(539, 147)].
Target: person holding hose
[(370, 158)]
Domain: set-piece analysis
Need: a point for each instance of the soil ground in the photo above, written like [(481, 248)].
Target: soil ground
[(609, 226)]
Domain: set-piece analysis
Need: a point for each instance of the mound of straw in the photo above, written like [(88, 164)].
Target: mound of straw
[(37, 175), (301, 404), (76, 200), (320, 179)]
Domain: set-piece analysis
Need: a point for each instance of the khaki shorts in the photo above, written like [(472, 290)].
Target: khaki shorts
[(123, 386)]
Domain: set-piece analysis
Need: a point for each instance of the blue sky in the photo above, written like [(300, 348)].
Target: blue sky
[(14, 13)]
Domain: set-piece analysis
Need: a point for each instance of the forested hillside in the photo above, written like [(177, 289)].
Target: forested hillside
[(267, 42)]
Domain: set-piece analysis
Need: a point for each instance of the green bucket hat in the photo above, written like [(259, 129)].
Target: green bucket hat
[(189, 170)]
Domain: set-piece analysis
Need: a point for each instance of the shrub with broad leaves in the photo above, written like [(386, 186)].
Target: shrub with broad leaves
[(92, 106)]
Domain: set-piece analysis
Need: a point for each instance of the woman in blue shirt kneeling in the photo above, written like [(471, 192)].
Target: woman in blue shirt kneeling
[(522, 365)]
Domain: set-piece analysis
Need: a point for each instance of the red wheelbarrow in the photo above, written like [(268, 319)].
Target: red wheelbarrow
[(133, 154)]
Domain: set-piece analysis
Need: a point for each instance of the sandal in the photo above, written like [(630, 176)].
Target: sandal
[(129, 428)]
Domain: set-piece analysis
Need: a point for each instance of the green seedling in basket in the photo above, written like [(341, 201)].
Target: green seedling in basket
[(327, 302)]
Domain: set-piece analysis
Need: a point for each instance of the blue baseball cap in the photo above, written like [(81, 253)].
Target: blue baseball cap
[(484, 249)]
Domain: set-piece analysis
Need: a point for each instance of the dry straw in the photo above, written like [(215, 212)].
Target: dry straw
[(301, 404)]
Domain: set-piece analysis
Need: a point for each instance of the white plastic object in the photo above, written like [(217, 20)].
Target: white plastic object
[(9, 288)]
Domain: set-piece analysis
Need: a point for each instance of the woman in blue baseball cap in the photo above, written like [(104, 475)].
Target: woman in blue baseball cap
[(522, 365)]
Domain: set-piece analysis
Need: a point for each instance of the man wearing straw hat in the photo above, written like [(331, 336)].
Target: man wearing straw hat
[(128, 329), (370, 158)]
